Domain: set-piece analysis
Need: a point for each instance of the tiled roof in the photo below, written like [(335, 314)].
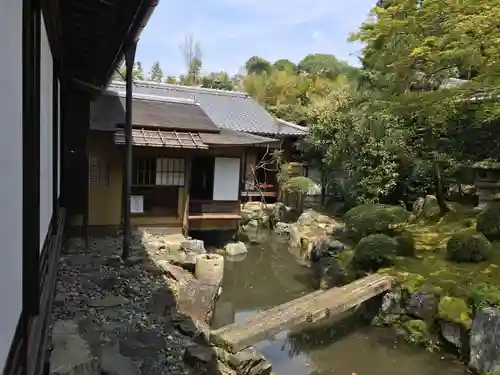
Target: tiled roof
[(228, 109), (159, 112), (231, 137)]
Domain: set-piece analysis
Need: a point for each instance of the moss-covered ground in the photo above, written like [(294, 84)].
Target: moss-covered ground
[(430, 270)]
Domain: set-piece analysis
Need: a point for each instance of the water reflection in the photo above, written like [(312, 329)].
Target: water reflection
[(269, 276)]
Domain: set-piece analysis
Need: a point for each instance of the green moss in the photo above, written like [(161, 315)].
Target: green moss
[(430, 270), (483, 295), (455, 310), (417, 332)]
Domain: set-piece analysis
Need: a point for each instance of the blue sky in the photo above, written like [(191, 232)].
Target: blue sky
[(231, 31)]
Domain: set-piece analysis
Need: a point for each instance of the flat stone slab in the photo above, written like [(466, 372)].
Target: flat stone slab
[(71, 354)]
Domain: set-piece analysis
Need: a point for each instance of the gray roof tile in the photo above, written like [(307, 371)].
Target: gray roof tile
[(228, 109)]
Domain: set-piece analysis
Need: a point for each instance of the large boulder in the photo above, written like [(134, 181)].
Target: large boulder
[(423, 305), (485, 341), (431, 207), (282, 229), (488, 221), (325, 247), (312, 218), (455, 321), (374, 218), (468, 247), (237, 248), (391, 311), (193, 246)]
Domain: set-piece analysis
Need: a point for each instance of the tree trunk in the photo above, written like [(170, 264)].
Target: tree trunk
[(438, 184)]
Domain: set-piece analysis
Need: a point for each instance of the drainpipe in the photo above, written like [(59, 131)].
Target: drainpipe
[(127, 230)]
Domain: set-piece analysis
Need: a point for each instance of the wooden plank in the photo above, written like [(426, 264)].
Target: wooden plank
[(215, 215), (238, 336)]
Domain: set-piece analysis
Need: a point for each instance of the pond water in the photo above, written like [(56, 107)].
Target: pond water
[(268, 276)]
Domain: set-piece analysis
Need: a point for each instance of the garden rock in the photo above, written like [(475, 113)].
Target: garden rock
[(325, 247), (431, 207), (71, 353), (250, 362), (237, 248), (194, 246), (488, 221), (485, 341), (455, 322), (282, 229), (418, 207), (202, 358), (391, 309), (114, 363), (423, 305)]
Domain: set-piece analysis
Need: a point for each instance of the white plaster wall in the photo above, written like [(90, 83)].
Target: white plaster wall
[(11, 113), (226, 179), (46, 125)]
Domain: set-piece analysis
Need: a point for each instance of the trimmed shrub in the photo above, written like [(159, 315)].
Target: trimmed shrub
[(375, 218), (488, 221), (374, 252), (405, 245), (468, 247)]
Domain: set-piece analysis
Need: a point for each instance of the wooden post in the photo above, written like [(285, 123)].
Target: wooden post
[(127, 230), (187, 188)]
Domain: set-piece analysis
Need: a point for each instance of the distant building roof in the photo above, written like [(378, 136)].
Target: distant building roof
[(230, 110), (149, 111), (233, 138)]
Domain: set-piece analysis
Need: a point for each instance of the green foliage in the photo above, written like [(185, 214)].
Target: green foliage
[(468, 247), (258, 65), (191, 51), (323, 65), (488, 221), (406, 245), (484, 295), (156, 74), (298, 184), (171, 79), (412, 46), (285, 64), (220, 81), (417, 332), (373, 218), (374, 252)]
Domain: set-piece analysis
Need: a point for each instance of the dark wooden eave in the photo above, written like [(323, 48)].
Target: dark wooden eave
[(90, 36)]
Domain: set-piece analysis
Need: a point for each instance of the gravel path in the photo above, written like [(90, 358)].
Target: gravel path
[(126, 306)]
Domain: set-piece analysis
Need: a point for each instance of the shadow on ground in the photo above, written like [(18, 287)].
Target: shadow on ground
[(121, 318)]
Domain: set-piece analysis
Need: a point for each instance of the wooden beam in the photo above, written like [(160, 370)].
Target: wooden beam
[(308, 309)]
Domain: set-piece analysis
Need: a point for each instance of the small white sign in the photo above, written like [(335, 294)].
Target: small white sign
[(136, 204)]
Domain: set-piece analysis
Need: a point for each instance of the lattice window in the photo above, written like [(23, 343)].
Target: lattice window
[(98, 170), (158, 171)]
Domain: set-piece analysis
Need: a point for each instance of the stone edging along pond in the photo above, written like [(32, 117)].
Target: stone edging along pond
[(426, 318)]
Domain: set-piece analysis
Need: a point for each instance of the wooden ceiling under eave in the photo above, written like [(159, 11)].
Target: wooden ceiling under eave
[(89, 37)]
